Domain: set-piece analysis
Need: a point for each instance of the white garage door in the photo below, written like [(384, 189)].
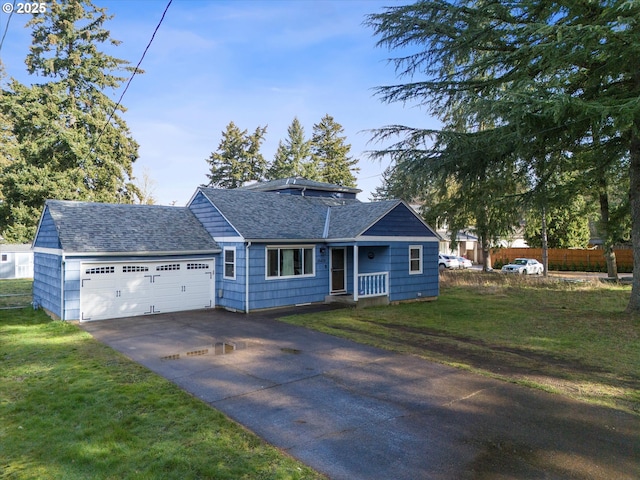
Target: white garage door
[(112, 290)]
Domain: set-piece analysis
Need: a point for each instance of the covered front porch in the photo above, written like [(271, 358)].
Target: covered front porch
[(359, 274)]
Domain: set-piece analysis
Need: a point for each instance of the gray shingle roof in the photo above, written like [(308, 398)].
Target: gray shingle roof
[(349, 221), (299, 182), (116, 228), (268, 215)]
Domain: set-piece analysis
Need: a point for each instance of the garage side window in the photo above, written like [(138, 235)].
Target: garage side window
[(415, 259), (134, 268), (230, 263), (99, 270)]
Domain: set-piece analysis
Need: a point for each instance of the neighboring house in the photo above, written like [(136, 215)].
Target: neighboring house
[(281, 243), (466, 245), (16, 261)]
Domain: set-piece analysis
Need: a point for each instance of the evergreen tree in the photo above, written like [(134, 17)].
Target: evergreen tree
[(292, 154), (540, 69), (567, 225), (238, 159), (330, 154), (71, 143)]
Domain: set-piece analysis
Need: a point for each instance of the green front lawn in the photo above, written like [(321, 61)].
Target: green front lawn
[(72, 408), (570, 338), (15, 292)]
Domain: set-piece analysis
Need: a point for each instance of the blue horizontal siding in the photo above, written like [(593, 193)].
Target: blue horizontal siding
[(402, 222), (46, 282), (270, 293), (405, 286), (47, 236), (379, 262), (211, 218), (232, 291)]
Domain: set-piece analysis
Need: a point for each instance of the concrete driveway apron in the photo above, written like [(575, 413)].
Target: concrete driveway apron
[(357, 412)]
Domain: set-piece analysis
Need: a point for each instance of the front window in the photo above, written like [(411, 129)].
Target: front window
[(230, 263), (290, 262), (415, 259)]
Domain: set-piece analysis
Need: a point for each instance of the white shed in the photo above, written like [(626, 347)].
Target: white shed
[(16, 261)]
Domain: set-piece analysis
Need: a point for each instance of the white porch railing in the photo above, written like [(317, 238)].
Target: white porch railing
[(373, 284)]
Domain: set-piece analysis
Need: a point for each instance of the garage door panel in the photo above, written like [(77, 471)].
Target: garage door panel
[(139, 288), (185, 283)]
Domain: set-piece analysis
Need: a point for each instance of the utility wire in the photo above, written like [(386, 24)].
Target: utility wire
[(135, 70), (6, 27)]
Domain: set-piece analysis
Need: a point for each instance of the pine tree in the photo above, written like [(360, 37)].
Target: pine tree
[(71, 142), (330, 154), (238, 159), (292, 154), (562, 75)]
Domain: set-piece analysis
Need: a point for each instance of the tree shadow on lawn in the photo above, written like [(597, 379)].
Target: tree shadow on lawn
[(559, 374)]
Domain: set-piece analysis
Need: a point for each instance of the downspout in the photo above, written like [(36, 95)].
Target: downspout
[(246, 277), (355, 272), (62, 288)]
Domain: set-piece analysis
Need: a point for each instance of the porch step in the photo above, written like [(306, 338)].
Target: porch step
[(346, 299)]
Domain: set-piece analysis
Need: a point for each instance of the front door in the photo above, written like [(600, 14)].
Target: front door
[(338, 270)]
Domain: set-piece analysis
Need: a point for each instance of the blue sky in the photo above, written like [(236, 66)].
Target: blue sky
[(256, 63)]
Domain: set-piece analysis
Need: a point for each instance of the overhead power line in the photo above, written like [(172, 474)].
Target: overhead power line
[(6, 27), (135, 70)]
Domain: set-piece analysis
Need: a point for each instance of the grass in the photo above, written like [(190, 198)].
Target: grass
[(568, 338), (15, 293), (75, 409)]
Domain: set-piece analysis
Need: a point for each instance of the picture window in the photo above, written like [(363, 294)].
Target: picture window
[(290, 262)]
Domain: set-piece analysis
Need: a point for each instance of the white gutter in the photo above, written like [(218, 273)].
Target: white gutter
[(139, 254), (246, 277)]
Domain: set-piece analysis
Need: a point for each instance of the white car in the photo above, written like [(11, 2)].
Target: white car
[(525, 266), (448, 262), (464, 262)]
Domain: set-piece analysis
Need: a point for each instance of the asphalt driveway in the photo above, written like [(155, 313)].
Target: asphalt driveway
[(357, 412)]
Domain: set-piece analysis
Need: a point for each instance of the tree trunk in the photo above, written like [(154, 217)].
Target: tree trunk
[(634, 198), (609, 254), (486, 253), (545, 246)]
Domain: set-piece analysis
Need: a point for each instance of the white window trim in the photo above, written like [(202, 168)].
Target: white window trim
[(224, 263), (420, 260), (289, 247)]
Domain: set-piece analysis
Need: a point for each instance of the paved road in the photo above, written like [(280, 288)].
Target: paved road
[(356, 412)]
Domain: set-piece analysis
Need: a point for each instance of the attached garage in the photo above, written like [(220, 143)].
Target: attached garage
[(112, 289), (97, 261)]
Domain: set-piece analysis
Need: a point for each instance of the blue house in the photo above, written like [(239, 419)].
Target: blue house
[(274, 244)]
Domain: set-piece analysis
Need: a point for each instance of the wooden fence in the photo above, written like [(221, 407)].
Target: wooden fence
[(566, 259)]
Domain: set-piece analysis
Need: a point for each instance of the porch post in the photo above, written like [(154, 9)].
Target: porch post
[(355, 272)]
